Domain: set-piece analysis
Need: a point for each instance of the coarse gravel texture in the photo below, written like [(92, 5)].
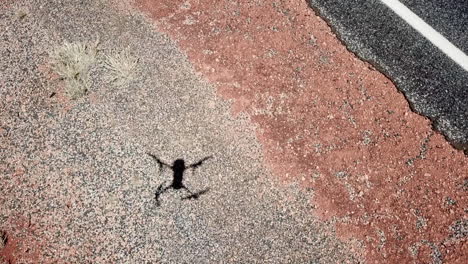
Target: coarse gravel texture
[(325, 118), (77, 185)]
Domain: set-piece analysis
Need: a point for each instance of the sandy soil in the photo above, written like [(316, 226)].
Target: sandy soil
[(77, 183), (317, 158), (332, 122)]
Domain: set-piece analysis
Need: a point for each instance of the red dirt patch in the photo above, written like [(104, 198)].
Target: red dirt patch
[(331, 121), (9, 247), (20, 243)]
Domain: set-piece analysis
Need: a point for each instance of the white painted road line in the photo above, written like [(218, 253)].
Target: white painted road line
[(428, 32)]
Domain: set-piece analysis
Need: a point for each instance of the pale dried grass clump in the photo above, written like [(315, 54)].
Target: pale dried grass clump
[(122, 68), (72, 62), (20, 10)]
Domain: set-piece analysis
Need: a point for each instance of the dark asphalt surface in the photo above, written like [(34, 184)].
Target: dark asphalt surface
[(435, 86), (450, 18)]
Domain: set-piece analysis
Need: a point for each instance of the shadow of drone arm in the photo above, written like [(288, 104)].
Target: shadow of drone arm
[(160, 191), (199, 163), (195, 195), (160, 162)]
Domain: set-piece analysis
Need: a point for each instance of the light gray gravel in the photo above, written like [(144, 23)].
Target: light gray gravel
[(78, 172)]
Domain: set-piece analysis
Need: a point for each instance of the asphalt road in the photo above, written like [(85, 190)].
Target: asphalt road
[(447, 17), (434, 85)]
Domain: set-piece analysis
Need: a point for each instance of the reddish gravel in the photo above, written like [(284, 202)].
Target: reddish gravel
[(20, 242), (331, 121)]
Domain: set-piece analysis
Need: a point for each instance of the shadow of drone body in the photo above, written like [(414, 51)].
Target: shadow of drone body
[(178, 168)]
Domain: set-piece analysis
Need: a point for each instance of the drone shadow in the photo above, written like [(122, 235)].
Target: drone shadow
[(178, 168)]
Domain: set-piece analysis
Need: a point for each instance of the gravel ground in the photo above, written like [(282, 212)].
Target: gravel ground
[(77, 185), (334, 123)]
